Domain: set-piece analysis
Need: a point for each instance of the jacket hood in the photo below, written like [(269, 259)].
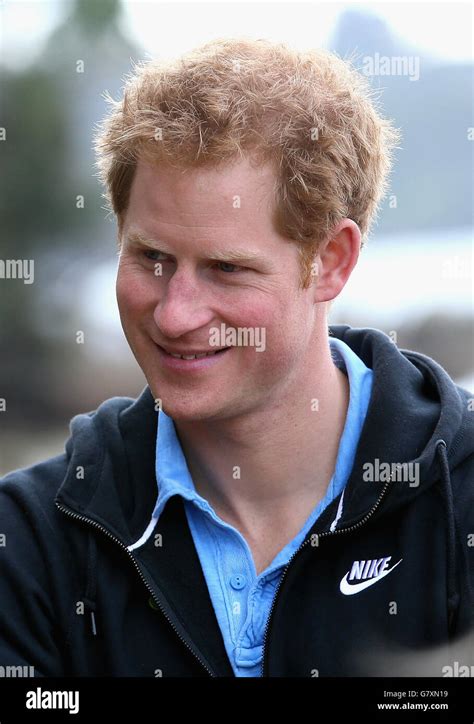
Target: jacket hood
[(417, 418)]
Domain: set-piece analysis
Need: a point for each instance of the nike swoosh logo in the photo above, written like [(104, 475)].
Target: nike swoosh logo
[(349, 590)]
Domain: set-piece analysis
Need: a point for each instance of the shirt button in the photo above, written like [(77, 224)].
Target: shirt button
[(238, 581)]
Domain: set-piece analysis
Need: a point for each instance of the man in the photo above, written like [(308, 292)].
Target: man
[(284, 498)]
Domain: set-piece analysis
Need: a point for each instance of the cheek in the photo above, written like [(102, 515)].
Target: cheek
[(289, 334), (279, 320), (133, 292)]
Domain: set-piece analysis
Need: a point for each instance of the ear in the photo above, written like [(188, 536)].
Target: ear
[(336, 259)]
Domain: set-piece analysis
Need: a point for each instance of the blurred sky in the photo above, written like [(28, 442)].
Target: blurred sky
[(439, 29)]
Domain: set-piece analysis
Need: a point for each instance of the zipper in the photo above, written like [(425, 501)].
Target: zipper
[(327, 534), (89, 521)]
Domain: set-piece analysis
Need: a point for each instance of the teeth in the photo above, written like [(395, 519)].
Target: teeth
[(193, 356)]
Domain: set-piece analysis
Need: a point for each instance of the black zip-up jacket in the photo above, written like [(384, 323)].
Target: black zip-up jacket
[(74, 600)]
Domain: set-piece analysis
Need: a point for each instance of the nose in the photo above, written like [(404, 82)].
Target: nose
[(183, 308)]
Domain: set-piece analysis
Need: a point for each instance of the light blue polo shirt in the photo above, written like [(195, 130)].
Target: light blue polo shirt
[(241, 599)]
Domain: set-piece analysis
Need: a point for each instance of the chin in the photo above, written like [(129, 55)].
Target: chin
[(180, 413), (179, 406)]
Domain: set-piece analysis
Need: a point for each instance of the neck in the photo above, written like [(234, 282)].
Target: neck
[(269, 462)]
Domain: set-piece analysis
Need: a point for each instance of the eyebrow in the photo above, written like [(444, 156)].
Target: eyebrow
[(226, 255)]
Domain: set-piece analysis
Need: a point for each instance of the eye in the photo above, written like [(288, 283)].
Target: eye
[(228, 264), (150, 255)]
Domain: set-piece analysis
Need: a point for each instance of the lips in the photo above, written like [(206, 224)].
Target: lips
[(189, 355), (195, 356), (191, 364)]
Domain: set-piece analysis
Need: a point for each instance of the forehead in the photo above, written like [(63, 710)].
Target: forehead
[(203, 191)]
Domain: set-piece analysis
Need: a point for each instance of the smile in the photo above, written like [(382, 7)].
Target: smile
[(196, 361), (194, 356)]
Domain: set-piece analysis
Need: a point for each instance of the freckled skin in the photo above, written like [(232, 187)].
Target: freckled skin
[(193, 214)]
